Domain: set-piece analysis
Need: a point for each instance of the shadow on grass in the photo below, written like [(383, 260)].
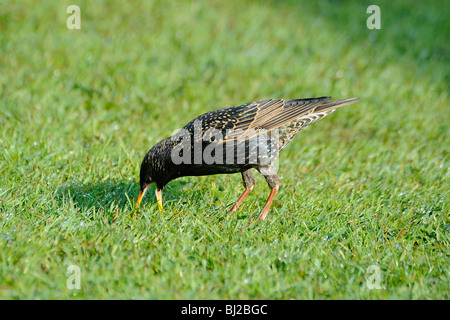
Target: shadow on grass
[(111, 195), (103, 195)]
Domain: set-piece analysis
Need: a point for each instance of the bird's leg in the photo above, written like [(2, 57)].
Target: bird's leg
[(268, 203), (273, 180), (249, 181), (241, 198)]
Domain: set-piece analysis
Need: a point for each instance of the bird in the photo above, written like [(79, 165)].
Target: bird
[(236, 139)]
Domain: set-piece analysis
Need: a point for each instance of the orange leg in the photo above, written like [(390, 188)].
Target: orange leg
[(241, 198), (268, 203)]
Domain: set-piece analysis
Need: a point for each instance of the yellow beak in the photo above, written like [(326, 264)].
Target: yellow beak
[(158, 197), (141, 195)]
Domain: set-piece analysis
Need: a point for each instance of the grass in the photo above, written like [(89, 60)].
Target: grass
[(366, 186)]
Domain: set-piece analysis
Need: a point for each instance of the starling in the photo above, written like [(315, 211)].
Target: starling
[(233, 140)]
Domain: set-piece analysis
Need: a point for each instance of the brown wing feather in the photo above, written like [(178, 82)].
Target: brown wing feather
[(270, 114), (292, 109), (237, 122)]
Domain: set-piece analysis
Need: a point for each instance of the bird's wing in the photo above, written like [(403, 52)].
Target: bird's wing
[(245, 121), (268, 115)]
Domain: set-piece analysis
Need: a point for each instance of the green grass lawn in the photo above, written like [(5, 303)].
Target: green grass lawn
[(366, 186)]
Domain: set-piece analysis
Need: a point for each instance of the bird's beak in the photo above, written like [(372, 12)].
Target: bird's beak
[(141, 195), (159, 198)]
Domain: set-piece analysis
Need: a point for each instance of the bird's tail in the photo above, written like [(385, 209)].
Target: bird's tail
[(333, 105)]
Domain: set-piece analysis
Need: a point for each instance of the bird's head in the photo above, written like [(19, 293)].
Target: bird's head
[(155, 168)]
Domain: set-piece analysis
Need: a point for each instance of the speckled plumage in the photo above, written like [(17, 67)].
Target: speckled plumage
[(238, 139)]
